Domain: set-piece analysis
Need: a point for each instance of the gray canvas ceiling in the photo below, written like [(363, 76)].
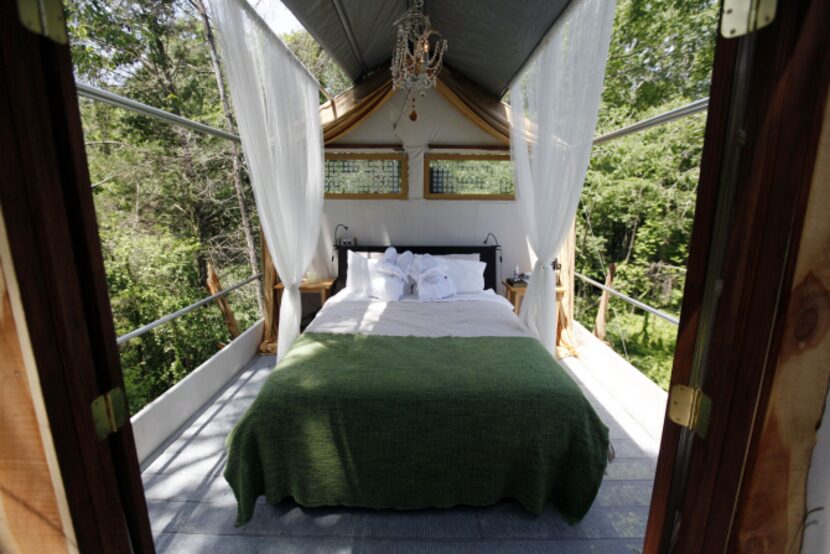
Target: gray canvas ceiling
[(489, 40)]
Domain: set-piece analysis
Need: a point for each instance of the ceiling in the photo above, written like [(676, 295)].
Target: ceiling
[(489, 41)]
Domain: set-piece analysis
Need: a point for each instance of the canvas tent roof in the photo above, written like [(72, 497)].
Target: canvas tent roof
[(489, 41), (359, 102)]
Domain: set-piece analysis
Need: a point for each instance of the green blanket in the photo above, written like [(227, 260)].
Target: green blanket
[(409, 422)]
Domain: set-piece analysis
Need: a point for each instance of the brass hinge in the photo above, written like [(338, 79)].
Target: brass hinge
[(44, 17), (741, 17), (109, 412), (690, 408)]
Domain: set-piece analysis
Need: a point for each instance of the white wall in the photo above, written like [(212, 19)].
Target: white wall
[(162, 418), (417, 221)]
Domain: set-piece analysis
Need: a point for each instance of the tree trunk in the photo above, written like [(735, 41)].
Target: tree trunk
[(235, 158), (215, 286), (599, 325)]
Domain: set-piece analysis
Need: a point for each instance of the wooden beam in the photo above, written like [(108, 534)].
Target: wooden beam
[(35, 516), (215, 286), (268, 345)]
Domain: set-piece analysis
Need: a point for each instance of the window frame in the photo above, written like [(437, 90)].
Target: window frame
[(429, 156), (402, 195)]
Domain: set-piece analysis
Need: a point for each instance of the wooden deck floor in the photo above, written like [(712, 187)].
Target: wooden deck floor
[(192, 509)]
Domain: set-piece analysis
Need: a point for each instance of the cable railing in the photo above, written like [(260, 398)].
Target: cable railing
[(660, 119), (111, 98), (170, 317), (632, 301)]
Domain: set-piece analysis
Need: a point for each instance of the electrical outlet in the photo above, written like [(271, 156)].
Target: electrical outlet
[(347, 242)]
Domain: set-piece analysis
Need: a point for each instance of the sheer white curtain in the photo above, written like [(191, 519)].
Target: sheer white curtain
[(277, 108), (558, 94)]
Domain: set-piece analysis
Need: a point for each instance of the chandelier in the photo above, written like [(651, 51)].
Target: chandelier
[(416, 64)]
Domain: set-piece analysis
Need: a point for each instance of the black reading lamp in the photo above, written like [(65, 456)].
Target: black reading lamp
[(498, 246), (336, 244)]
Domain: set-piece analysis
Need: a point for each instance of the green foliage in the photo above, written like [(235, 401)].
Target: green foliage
[(309, 51), (637, 205), (164, 196)]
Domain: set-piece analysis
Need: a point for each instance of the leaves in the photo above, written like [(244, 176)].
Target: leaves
[(637, 205)]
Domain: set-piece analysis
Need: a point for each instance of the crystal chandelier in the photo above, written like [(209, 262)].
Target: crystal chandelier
[(414, 67)]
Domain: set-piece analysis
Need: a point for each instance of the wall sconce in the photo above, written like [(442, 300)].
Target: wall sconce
[(336, 243), (498, 246)]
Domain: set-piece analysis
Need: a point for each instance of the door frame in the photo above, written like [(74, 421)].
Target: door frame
[(49, 214), (48, 208), (769, 90)]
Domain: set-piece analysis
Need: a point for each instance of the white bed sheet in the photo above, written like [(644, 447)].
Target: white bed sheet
[(483, 314)]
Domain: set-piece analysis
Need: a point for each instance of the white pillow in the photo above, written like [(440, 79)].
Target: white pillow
[(466, 275), (357, 273)]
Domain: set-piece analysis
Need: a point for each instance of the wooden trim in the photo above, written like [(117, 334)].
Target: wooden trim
[(32, 496), (365, 156), (659, 524), (457, 156), (337, 147), (399, 147), (464, 156), (402, 195), (453, 98), (50, 219)]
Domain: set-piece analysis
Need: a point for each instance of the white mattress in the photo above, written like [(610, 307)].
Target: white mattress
[(484, 314)]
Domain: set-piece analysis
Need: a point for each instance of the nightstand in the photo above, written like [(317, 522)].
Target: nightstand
[(515, 293), (322, 287)]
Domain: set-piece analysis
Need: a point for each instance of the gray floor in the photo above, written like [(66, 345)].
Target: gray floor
[(192, 509)]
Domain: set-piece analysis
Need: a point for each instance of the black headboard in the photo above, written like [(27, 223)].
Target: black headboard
[(487, 254)]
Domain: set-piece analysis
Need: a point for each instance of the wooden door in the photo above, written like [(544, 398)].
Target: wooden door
[(49, 216), (768, 94)]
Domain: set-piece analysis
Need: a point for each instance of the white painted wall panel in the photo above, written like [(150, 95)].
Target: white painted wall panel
[(417, 221), (162, 417)]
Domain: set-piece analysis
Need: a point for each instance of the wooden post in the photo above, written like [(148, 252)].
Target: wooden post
[(214, 286), (269, 281), (565, 341), (599, 325)]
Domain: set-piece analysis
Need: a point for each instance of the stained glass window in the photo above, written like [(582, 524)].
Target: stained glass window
[(485, 177), (365, 176)]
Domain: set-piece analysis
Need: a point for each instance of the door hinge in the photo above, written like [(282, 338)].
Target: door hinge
[(44, 17), (740, 17), (109, 412), (690, 408)]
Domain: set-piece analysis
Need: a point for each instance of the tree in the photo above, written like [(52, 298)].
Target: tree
[(638, 201)]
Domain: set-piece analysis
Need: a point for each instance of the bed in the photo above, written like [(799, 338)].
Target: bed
[(407, 405)]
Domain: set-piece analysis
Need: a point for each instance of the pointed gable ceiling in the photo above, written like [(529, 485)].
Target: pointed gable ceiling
[(489, 40)]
